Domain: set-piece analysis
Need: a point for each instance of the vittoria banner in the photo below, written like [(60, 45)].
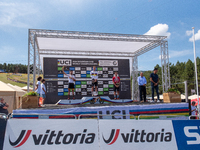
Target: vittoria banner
[(44, 134), (51, 135)]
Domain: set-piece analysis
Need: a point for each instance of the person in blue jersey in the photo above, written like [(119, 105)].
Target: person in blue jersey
[(71, 81), (154, 84), (94, 77), (142, 86)]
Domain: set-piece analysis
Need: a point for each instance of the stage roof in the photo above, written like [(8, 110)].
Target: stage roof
[(55, 42)]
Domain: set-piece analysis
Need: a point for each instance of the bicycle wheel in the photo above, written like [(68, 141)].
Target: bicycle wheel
[(101, 101), (92, 101)]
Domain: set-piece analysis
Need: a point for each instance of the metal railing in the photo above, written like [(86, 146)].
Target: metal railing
[(107, 116), (197, 117), (161, 117), (96, 116), (45, 116), (3, 116)]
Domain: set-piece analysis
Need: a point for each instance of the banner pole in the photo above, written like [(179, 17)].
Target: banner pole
[(195, 64)]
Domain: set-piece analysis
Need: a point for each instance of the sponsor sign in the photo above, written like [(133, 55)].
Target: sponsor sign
[(135, 135), (187, 134), (51, 135), (26, 134), (108, 62)]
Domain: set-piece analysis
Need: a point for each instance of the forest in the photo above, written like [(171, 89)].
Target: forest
[(179, 72)]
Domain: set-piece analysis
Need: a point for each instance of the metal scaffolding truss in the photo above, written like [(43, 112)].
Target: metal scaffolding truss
[(165, 65), (145, 42)]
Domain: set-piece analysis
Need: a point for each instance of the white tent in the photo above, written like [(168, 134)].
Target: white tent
[(25, 88), (182, 96), (9, 96), (193, 96), (19, 95)]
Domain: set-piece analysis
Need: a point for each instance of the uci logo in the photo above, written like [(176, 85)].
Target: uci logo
[(116, 114), (65, 62), (190, 132), (21, 139)]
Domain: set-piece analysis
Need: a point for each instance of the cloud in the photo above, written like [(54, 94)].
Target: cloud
[(197, 35), (159, 29), (173, 54), (17, 14), (189, 32)]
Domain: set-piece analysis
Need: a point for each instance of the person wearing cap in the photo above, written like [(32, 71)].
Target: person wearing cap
[(142, 86), (71, 80), (3, 106), (154, 84), (193, 110)]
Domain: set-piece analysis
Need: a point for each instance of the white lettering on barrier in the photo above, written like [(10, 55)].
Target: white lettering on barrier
[(193, 134)]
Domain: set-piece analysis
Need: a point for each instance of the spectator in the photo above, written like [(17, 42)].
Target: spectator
[(38, 88), (43, 91), (193, 110), (3, 106)]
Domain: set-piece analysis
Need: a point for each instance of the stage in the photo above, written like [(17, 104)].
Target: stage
[(105, 111)]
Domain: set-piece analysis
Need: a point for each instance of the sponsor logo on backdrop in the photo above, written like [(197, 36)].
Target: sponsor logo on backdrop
[(64, 62), (52, 137), (138, 136), (108, 62)]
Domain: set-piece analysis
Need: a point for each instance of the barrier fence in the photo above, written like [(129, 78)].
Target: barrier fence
[(98, 116), (100, 134)]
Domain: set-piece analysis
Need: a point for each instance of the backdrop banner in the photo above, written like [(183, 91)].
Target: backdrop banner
[(57, 82)]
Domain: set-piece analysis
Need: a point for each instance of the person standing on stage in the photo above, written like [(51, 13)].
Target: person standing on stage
[(142, 86), (71, 80), (154, 84), (94, 76), (116, 82)]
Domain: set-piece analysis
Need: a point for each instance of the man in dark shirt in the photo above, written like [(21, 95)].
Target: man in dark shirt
[(3, 106), (154, 84)]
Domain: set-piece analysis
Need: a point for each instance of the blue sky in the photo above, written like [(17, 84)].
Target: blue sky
[(173, 18)]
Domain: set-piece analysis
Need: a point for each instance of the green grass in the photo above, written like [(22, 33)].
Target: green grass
[(3, 78)]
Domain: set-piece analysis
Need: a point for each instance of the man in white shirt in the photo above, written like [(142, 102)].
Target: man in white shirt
[(142, 86), (94, 76), (71, 80)]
